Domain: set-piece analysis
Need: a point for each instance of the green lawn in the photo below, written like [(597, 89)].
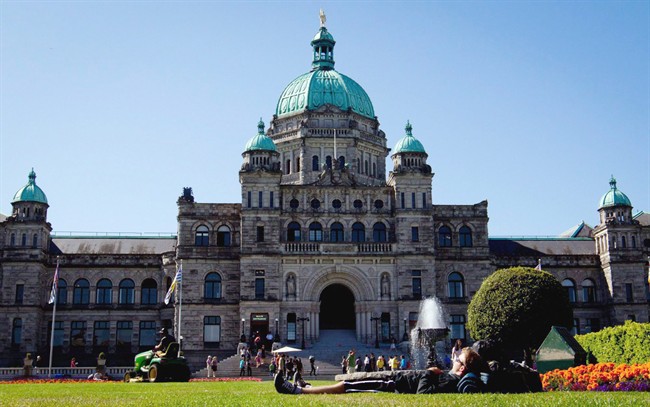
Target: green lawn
[(117, 394)]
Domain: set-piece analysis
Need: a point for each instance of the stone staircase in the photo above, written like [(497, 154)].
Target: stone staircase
[(328, 351)]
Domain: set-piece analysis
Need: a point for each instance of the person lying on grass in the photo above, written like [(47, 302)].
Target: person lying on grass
[(462, 378)]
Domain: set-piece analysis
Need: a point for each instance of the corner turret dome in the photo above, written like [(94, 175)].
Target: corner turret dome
[(323, 84), (30, 192), (408, 143), (614, 197), (260, 141)]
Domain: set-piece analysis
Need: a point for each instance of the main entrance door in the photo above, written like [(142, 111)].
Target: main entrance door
[(337, 308)]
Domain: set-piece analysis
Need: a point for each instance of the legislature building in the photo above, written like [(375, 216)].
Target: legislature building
[(325, 237)]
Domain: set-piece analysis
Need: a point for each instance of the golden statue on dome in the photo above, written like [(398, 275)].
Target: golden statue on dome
[(323, 19)]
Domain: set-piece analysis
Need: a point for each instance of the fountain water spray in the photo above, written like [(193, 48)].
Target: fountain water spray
[(430, 328)]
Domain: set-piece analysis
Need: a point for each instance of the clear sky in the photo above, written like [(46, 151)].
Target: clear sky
[(118, 105)]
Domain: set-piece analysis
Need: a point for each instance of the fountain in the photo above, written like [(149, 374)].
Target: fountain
[(430, 329)]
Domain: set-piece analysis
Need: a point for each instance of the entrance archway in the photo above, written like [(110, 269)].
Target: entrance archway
[(337, 308)]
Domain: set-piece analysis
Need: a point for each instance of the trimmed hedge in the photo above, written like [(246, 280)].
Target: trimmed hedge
[(517, 307), (628, 343)]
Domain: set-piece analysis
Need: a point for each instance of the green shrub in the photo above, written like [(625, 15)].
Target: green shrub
[(517, 307), (629, 343)]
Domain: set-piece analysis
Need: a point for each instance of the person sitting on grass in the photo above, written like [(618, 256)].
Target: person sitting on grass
[(462, 378)]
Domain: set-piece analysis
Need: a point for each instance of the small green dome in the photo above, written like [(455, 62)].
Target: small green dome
[(324, 85), (260, 141), (30, 192), (614, 197), (408, 143)]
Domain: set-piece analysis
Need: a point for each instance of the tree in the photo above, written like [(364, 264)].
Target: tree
[(516, 307)]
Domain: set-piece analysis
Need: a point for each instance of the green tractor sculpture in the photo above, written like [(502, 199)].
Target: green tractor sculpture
[(168, 366)]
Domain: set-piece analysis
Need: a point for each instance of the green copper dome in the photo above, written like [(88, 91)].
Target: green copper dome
[(324, 85), (614, 197), (408, 143), (30, 192), (260, 141)]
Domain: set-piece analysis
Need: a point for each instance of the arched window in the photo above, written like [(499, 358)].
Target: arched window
[(588, 291), (293, 232), (365, 167), (379, 232), (336, 204), (17, 332), (62, 292), (456, 285), (623, 242), (297, 164), (81, 292), (149, 292), (358, 232), (24, 240), (104, 291), (444, 236), (379, 204), (314, 163), (223, 236), (341, 162), (465, 237), (202, 236), (315, 232), (374, 169), (288, 167), (35, 241), (126, 292), (328, 162), (212, 286), (570, 288), (358, 204), (315, 203), (293, 204), (12, 240), (336, 232)]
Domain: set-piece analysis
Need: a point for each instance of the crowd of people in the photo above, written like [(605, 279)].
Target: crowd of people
[(351, 363)]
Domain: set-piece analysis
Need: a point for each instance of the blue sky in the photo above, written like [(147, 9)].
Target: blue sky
[(119, 105)]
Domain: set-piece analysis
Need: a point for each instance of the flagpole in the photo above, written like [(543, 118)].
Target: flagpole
[(56, 289), (180, 310)]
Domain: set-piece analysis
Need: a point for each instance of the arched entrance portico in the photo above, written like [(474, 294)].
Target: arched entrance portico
[(337, 308)]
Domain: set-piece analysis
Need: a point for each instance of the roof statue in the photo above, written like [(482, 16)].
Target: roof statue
[(323, 18)]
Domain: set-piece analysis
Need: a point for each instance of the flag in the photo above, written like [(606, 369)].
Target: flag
[(55, 285), (539, 265), (177, 279)]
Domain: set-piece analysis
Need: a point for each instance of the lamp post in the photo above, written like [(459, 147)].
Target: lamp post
[(303, 319), (405, 337), (277, 332), (243, 326), (376, 321)]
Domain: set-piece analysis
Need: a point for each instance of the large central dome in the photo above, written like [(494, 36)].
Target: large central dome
[(324, 85)]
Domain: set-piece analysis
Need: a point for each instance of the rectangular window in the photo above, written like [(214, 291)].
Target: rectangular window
[(385, 326), (592, 325), (417, 283), (424, 200), (211, 331), (291, 327), (415, 234), (249, 201), (271, 204), (147, 334), (457, 326), (629, 296), (260, 233), (260, 199), (413, 200), (124, 334), (20, 292), (259, 288), (575, 330), (403, 203), (78, 333), (413, 321), (58, 333), (101, 333)]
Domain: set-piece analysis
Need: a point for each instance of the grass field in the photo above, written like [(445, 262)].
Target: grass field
[(117, 394)]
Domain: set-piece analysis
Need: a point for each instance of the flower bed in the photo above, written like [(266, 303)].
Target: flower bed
[(599, 377)]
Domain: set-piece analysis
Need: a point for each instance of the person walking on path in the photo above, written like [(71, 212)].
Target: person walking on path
[(312, 363)]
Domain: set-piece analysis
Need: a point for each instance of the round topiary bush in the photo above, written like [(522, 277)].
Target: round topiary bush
[(517, 307)]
